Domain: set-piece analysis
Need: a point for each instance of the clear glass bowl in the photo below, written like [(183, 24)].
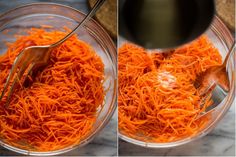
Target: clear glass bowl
[(21, 19), (222, 39)]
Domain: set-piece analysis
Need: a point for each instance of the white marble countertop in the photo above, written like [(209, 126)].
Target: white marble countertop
[(219, 142)]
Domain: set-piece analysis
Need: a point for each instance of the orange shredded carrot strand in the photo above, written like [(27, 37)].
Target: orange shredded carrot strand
[(60, 107), (157, 100)]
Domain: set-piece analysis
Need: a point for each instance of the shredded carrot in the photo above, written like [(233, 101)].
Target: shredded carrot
[(60, 106), (157, 99)]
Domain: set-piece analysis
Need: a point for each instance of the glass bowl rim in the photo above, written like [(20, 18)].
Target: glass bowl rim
[(113, 105), (229, 101)]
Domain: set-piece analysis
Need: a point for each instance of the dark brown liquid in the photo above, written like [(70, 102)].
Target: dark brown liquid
[(163, 23)]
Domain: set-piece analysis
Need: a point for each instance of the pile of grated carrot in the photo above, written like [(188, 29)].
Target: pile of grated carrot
[(60, 106), (157, 99)]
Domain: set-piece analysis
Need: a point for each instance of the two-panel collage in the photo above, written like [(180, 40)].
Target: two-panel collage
[(117, 78)]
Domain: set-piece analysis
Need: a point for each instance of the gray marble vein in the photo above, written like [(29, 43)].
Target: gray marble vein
[(219, 142)]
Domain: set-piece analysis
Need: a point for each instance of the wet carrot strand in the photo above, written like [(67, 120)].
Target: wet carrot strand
[(157, 99)]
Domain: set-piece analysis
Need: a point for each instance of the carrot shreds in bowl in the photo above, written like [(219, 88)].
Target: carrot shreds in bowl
[(157, 99), (60, 106)]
